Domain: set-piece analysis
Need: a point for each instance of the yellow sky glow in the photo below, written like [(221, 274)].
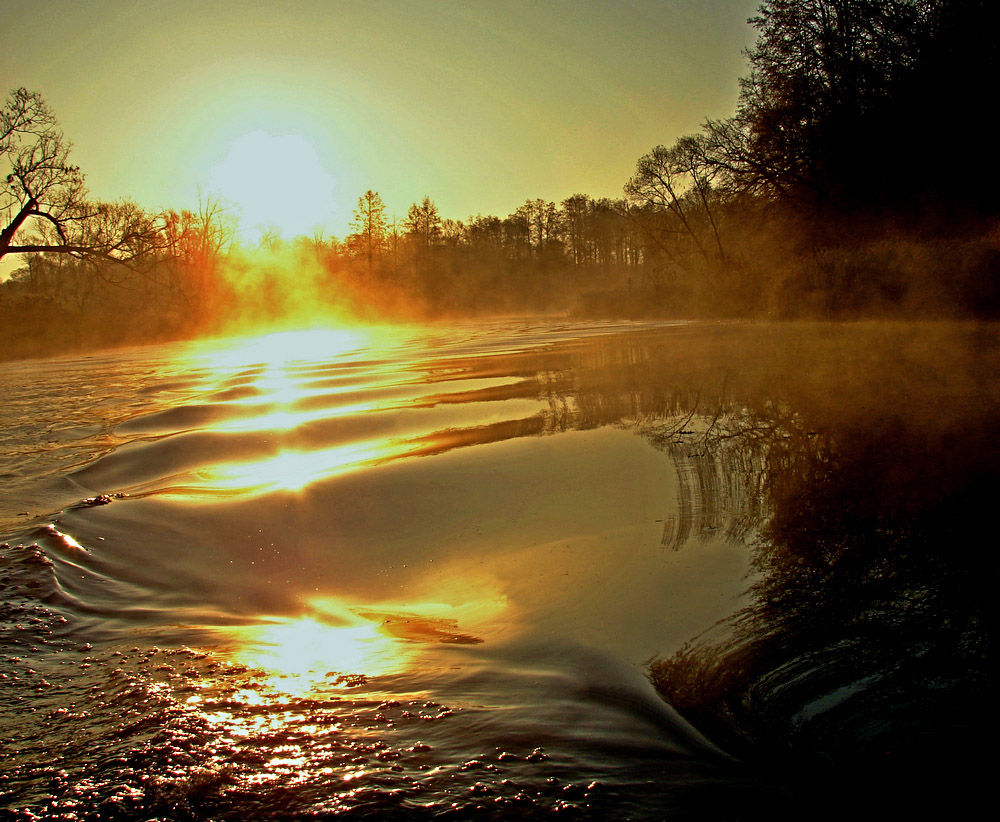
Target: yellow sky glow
[(291, 111)]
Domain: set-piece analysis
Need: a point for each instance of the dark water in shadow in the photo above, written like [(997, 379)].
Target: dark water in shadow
[(501, 570)]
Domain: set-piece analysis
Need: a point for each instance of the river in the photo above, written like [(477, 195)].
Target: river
[(500, 570)]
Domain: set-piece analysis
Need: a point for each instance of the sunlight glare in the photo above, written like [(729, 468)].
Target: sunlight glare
[(282, 348), (281, 370), (294, 470), (302, 647), (335, 641), (275, 182), (288, 420)]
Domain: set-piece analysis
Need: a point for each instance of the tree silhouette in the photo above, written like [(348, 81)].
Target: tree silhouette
[(369, 227), (423, 223), (846, 101), (42, 192), (678, 181)]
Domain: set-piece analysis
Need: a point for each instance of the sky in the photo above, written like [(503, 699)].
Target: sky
[(290, 111)]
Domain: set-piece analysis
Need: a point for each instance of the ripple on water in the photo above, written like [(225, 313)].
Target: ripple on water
[(144, 732), (107, 713)]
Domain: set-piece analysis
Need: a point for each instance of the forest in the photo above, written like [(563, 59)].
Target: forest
[(853, 180)]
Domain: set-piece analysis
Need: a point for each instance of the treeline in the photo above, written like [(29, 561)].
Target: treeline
[(853, 179), (192, 275), (543, 257)]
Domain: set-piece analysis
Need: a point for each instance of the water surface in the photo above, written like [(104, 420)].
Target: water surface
[(494, 570)]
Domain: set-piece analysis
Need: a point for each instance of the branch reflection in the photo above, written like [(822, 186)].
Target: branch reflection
[(862, 468)]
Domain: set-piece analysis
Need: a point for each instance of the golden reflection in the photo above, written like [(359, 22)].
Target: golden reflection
[(294, 470), (335, 645), (281, 348), (277, 384), (301, 654), (285, 420)]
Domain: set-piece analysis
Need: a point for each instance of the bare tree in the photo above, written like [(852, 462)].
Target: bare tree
[(678, 180), (197, 244), (43, 200)]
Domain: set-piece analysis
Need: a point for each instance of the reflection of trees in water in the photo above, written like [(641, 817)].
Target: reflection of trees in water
[(859, 463), (723, 460), (866, 482), (869, 622)]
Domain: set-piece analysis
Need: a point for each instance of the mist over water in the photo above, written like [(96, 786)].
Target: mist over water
[(467, 571)]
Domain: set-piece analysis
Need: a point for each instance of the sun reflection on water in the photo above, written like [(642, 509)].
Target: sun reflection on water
[(286, 420), (336, 644), (283, 348), (294, 470), (280, 378), (307, 654), (324, 403)]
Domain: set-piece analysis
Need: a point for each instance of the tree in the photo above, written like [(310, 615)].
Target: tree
[(453, 233), (848, 102), (542, 221), (577, 217), (423, 223), (196, 244), (820, 74), (43, 200), (678, 180), (369, 226)]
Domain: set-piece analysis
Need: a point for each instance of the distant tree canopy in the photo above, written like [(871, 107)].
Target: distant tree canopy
[(43, 201)]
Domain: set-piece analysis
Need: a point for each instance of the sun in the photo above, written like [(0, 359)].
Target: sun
[(275, 183)]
